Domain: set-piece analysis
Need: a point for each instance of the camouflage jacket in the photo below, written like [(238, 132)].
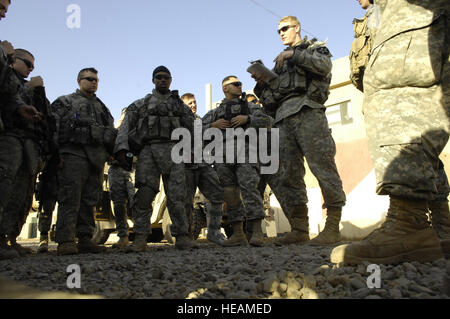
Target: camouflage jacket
[(84, 127), (304, 80), (399, 16), (152, 119), (9, 89), (17, 126)]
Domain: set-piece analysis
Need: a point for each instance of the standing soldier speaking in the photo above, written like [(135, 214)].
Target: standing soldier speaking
[(297, 97), (86, 137)]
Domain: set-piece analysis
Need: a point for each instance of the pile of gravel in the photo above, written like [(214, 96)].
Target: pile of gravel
[(212, 272)]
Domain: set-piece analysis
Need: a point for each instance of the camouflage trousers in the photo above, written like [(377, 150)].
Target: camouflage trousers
[(122, 192), (407, 112), (80, 184), (306, 135), (16, 183), (241, 180), (45, 215), (48, 185), (153, 161)]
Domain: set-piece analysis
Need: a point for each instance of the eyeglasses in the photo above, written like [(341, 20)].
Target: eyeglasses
[(162, 77), (236, 84), (28, 63), (91, 79), (285, 28)]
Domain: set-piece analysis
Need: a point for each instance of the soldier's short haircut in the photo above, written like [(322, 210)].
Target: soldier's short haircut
[(86, 70), (187, 96), (22, 53), (228, 77), (290, 19)]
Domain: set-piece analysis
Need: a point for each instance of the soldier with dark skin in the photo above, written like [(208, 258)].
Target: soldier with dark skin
[(296, 99), (85, 137), (148, 125)]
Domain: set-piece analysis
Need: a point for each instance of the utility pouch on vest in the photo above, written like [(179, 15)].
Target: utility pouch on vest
[(153, 129), (97, 133), (175, 122), (164, 123)]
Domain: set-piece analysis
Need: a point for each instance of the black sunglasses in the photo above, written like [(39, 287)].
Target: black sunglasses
[(285, 28), (162, 77), (28, 63), (237, 84), (91, 79)]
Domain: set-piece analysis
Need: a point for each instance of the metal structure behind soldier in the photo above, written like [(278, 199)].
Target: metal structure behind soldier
[(24, 148), (239, 178), (146, 132), (86, 138), (296, 99), (407, 111)]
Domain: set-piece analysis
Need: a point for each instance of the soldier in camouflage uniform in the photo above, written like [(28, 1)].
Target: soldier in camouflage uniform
[(406, 102), (146, 132), (46, 194), (239, 178), (296, 99), (365, 30), (122, 192), (202, 176), (34, 142), (86, 137), (11, 105)]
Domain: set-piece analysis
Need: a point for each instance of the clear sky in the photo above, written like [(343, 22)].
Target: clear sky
[(200, 41)]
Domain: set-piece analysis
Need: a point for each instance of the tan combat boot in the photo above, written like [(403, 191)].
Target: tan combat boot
[(121, 243), (67, 248), (87, 246), (139, 244), (184, 242), (299, 227), (330, 234), (6, 252), (43, 244), (406, 235), (23, 251), (238, 238), (440, 219), (257, 238)]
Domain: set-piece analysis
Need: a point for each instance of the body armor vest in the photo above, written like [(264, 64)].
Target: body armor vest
[(84, 125), (159, 118)]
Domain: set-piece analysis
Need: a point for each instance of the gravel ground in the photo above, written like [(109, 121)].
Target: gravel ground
[(212, 272)]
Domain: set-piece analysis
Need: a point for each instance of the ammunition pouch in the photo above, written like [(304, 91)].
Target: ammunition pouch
[(97, 133)]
